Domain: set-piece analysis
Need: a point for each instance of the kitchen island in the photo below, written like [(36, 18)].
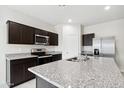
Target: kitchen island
[(97, 72)]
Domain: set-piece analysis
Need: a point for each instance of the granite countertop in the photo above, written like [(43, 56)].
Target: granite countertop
[(19, 56), (97, 72), (27, 55)]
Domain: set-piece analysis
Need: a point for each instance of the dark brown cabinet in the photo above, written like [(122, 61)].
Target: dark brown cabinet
[(87, 39), (27, 35), (17, 71), (53, 58), (29, 63), (20, 34), (14, 34), (41, 32), (56, 57), (53, 39), (44, 60), (23, 34)]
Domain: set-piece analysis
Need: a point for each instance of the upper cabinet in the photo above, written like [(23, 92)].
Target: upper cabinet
[(27, 35), (14, 35), (23, 34), (53, 39), (41, 32), (20, 34), (87, 39)]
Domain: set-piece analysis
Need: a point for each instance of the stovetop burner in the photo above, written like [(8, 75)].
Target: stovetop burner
[(40, 53)]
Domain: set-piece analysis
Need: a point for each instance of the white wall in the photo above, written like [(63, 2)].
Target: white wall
[(112, 28), (59, 29), (6, 14), (69, 39)]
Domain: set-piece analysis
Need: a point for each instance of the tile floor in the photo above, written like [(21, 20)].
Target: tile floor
[(28, 84)]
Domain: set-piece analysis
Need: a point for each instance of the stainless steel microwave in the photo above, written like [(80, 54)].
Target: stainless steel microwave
[(41, 40)]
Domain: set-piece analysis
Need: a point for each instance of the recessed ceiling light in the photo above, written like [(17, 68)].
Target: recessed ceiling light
[(69, 20), (107, 7)]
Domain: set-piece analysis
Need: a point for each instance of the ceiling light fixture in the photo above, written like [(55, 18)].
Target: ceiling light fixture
[(69, 20), (107, 7)]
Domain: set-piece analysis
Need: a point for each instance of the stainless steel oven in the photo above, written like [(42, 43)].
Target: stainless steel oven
[(43, 57), (41, 40)]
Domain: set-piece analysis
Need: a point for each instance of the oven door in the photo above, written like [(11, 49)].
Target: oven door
[(40, 39)]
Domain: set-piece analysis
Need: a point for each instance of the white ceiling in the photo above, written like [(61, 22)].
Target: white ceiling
[(82, 14)]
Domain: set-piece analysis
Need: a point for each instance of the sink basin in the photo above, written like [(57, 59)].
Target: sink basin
[(76, 59)]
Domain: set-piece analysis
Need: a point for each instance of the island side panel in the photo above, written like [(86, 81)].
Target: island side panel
[(41, 83)]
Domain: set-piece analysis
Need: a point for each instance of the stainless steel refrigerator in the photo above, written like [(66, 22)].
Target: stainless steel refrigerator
[(105, 46)]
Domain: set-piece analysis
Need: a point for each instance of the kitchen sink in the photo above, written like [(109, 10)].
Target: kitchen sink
[(77, 59), (74, 59)]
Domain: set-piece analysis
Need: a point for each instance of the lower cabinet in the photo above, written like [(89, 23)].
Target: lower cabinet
[(29, 63), (56, 57), (49, 59), (44, 60), (17, 71)]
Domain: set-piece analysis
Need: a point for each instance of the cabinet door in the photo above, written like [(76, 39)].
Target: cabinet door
[(27, 35), (56, 57), (41, 32), (17, 71), (29, 63), (87, 39), (14, 33), (44, 60), (53, 39), (59, 57), (20, 34)]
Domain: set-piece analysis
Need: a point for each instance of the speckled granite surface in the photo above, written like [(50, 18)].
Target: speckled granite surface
[(27, 55), (95, 73), (19, 56)]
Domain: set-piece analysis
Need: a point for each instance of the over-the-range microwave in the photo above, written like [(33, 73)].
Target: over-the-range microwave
[(41, 39)]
